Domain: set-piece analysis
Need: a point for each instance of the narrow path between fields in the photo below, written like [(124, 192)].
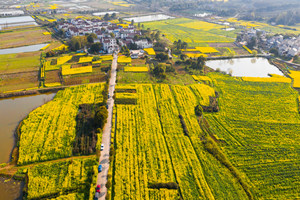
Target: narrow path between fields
[(104, 156)]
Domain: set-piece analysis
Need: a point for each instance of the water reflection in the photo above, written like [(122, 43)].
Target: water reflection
[(249, 67)]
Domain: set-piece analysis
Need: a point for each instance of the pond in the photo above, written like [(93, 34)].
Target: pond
[(248, 67), (13, 110), (104, 13), (148, 18), (30, 48)]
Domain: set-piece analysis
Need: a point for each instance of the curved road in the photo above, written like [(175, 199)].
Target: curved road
[(104, 157)]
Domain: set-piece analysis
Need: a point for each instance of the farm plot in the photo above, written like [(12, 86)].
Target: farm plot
[(11, 63), (59, 178), (194, 32), (49, 131), (158, 151), (260, 123), (24, 37), (141, 156), (18, 81)]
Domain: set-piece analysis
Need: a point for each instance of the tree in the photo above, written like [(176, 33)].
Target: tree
[(125, 51), (114, 16), (101, 117), (133, 46), (183, 56), (161, 57), (90, 39), (274, 51), (157, 35), (77, 46), (139, 25), (112, 35), (254, 52), (199, 110), (159, 71), (78, 42), (132, 22), (106, 17), (96, 47), (200, 63), (252, 43)]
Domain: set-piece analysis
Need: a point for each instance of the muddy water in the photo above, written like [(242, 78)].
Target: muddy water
[(10, 189), (12, 111)]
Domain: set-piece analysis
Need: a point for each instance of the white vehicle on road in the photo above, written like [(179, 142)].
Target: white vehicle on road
[(102, 147)]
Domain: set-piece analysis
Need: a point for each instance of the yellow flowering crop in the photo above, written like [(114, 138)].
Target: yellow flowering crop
[(85, 59), (124, 59), (207, 49), (67, 70), (56, 84), (150, 51), (63, 59), (135, 69), (281, 79), (106, 57), (195, 55), (45, 47), (296, 78), (245, 47)]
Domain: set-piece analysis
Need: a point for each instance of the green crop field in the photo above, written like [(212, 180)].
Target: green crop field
[(10, 63), (260, 124), (158, 151), (194, 32)]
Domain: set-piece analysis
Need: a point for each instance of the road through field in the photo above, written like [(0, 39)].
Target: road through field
[(104, 157)]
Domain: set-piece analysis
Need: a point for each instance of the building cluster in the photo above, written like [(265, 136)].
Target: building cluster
[(111, 35), (285, 45)]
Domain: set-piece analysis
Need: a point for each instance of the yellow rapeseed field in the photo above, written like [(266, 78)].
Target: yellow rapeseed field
[(86, 59), (296, 78), (124, 59), (67, 70), (280, 79), (195, 55), (150, 51), (135, 69)]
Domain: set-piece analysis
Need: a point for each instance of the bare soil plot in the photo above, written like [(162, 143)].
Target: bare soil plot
[(24, 37), (18, 81)]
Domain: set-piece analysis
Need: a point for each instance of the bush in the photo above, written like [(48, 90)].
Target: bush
[(185, 130), (101, 117), (108, 184), (169, 185), (199, 110)]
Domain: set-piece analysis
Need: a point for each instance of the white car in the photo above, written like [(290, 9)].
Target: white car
[(102, 147)]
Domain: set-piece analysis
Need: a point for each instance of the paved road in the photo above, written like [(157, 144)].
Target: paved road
[(104, 157)]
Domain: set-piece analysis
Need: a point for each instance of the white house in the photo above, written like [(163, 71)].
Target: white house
[(142, 44)]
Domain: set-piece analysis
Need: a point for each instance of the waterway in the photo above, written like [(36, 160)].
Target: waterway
[(148, 18), (16, 21), (248, 67), (30, 48)]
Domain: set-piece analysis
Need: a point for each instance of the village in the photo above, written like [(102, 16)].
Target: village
[(111, 35), (281, 45)]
